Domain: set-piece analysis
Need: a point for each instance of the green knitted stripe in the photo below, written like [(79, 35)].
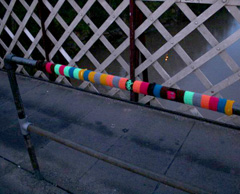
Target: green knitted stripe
[(188, 97), (66, 71), (56, 69), (75, 73)]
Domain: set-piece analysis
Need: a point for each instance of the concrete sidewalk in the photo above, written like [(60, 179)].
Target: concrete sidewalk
[(194, 152)]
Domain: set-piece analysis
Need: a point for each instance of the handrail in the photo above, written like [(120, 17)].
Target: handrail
[(26, 127), (228, 107), (116, 162)]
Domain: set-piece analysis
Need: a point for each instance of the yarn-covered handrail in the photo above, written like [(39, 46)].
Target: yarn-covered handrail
[(213, 103)]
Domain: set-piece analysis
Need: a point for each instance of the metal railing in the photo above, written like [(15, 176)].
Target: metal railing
[(11, 62)]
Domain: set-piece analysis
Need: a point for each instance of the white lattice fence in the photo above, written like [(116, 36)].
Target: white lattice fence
[(196, 23), (22, 35)]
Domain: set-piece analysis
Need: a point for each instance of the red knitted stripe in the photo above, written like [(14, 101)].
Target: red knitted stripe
[(144, 88), (61, 69), (213, 103)]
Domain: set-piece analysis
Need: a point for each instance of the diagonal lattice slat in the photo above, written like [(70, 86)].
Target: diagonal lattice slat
[(7, 14), (20, 31), (23, 24)]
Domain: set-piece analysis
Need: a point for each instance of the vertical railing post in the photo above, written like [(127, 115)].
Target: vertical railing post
[(46, 43), (133, 56), (136, 19), (22, 118), (42, 17), (139, 56)]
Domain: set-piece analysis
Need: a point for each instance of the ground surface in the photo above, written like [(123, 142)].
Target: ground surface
[(197, 153)]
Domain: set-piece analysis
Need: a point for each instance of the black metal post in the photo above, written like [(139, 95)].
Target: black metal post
[(11, 67), (133, 56), (43, 14), (139, 56)]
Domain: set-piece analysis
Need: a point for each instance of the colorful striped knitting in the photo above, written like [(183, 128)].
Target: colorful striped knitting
[(186, 97)]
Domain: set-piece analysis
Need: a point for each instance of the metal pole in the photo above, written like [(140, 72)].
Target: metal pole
[(46, 43), (13, 60), (236, 109), (133, 56), (44, 35), (139, 16), (22, 118), (116, 162), (139, 56)]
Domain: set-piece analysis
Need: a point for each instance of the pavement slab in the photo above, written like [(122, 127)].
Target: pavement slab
[(18, 181), (5, 91), (210, 158)]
